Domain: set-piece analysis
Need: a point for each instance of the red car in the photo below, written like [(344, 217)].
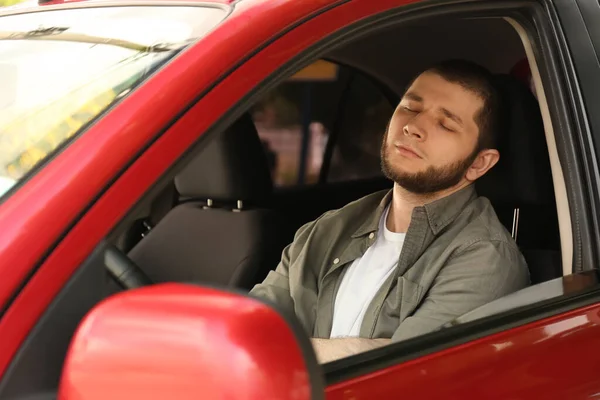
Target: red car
[(178, 145)]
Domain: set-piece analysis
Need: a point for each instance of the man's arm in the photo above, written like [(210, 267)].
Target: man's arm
[(482, 272), (279, 284), (332, 349), (276, 286)]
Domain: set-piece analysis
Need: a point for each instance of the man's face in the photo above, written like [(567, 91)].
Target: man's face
[(431, 140)]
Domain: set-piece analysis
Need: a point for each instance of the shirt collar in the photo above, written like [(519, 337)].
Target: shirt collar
[(440, 213), (371, 224)]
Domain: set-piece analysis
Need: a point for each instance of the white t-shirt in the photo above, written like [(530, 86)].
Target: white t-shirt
[(363, 279)]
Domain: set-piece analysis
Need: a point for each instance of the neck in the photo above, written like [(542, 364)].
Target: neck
[(404, 202)]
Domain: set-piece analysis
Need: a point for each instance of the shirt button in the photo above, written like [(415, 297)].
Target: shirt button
[(372, 235), (336, 261)]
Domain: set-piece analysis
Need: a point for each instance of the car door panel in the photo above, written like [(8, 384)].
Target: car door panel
[(513, 361), (528, 362)]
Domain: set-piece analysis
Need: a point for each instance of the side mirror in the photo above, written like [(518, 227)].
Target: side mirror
[(178, 341)]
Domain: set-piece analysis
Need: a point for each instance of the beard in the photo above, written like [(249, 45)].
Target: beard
[(432, 180)]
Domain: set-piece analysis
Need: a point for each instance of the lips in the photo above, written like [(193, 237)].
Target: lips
[(407, 151)]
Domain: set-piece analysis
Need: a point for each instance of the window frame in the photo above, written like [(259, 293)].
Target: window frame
[(580, 39)]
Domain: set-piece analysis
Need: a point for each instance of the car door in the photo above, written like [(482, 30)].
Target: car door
[(191, 97)]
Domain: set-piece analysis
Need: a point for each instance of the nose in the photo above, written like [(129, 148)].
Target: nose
[(415, 129)]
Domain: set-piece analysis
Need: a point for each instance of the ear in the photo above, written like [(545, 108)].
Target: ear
[(484, 161)]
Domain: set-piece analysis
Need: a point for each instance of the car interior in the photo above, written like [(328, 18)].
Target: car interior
[(223, 220)]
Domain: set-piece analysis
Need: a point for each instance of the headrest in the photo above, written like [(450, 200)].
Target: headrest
[(233, 166), (523, 175)]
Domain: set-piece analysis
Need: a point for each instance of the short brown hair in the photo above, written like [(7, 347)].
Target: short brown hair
[(480, 81)]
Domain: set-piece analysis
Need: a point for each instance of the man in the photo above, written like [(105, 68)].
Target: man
[(398, 264)]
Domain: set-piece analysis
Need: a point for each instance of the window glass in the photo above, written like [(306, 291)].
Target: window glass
[(60, 69), (295, 119), (295, 122), (365, 115)]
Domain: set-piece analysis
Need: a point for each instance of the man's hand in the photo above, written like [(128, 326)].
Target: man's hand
[(332, 349)]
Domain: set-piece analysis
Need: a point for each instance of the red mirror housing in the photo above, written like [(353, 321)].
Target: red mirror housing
[(178, 341)]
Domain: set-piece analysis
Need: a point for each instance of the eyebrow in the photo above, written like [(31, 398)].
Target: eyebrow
[(413, 96), (452, 116), (447, 113)]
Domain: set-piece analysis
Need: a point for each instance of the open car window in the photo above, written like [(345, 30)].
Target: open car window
[(61, 69)]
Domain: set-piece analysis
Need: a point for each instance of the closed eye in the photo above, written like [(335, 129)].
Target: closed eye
[(444, 127)]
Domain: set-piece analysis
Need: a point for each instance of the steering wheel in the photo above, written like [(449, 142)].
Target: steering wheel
[(123, 270)]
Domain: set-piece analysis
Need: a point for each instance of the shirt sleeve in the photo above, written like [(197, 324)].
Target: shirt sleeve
[(279, 284), (482, 272)]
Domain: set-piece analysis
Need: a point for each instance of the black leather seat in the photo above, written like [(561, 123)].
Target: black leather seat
[(520, 185), (220, 233)]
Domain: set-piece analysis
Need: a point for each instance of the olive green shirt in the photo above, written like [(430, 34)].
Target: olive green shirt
[(456, 257)]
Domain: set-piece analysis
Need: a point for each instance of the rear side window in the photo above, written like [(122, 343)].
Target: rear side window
[(60, 69), (295, 121), (363, 121), (324, 105)]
